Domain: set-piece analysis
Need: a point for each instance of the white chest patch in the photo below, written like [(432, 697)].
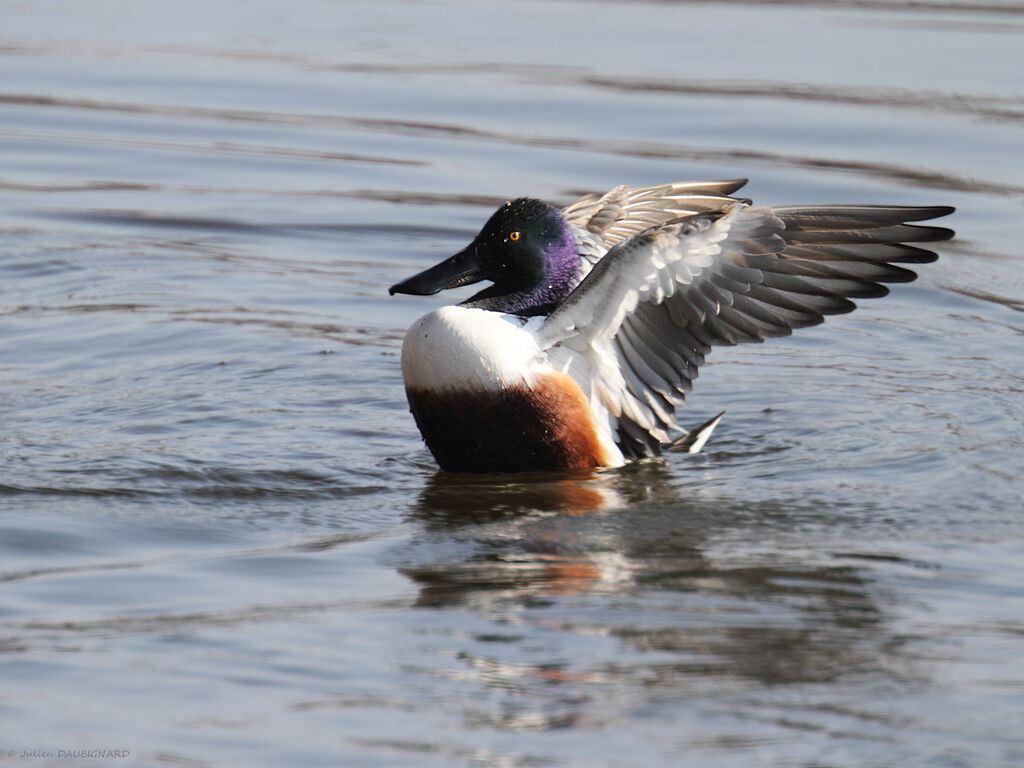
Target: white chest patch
[(457, 348)]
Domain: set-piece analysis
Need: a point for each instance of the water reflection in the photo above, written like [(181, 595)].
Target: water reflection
[(630, 557), (455, 499)]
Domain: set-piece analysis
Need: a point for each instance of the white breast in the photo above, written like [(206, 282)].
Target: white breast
[(457, 348)]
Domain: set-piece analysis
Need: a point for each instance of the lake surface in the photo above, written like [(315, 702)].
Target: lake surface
[(222, 542)]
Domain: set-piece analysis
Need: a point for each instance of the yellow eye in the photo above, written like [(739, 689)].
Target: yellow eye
[(513, 236)]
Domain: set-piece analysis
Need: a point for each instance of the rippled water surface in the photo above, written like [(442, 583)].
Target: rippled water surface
[(222, 541)]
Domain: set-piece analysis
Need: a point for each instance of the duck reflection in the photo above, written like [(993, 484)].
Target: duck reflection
[(456, 499), (626, 555)]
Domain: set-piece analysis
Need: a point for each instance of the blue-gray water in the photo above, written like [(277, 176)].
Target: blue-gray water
[(222, 542)]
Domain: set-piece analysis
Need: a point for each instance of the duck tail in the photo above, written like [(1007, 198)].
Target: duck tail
[(694, 440)]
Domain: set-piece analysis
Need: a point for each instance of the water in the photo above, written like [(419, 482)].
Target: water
[(221, 539)]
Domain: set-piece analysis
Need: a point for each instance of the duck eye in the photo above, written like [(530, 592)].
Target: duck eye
[(513, 236)]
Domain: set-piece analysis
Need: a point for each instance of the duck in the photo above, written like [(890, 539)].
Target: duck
[(598, 316)]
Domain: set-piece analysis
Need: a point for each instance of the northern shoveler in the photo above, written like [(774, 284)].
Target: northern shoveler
[(600, 314)]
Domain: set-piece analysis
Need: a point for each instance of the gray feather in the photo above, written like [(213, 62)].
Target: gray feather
[(688, 268)]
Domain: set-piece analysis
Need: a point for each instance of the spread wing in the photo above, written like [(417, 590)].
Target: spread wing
[(639, 325), (601, 222)]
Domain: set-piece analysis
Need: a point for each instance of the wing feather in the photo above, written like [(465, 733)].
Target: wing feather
[(689, 268), (602, 222), (652, 365)]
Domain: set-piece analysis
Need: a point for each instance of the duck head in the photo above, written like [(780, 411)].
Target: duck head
[(526, 249)]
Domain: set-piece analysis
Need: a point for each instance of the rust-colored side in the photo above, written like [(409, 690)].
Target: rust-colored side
[(544, 427)]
